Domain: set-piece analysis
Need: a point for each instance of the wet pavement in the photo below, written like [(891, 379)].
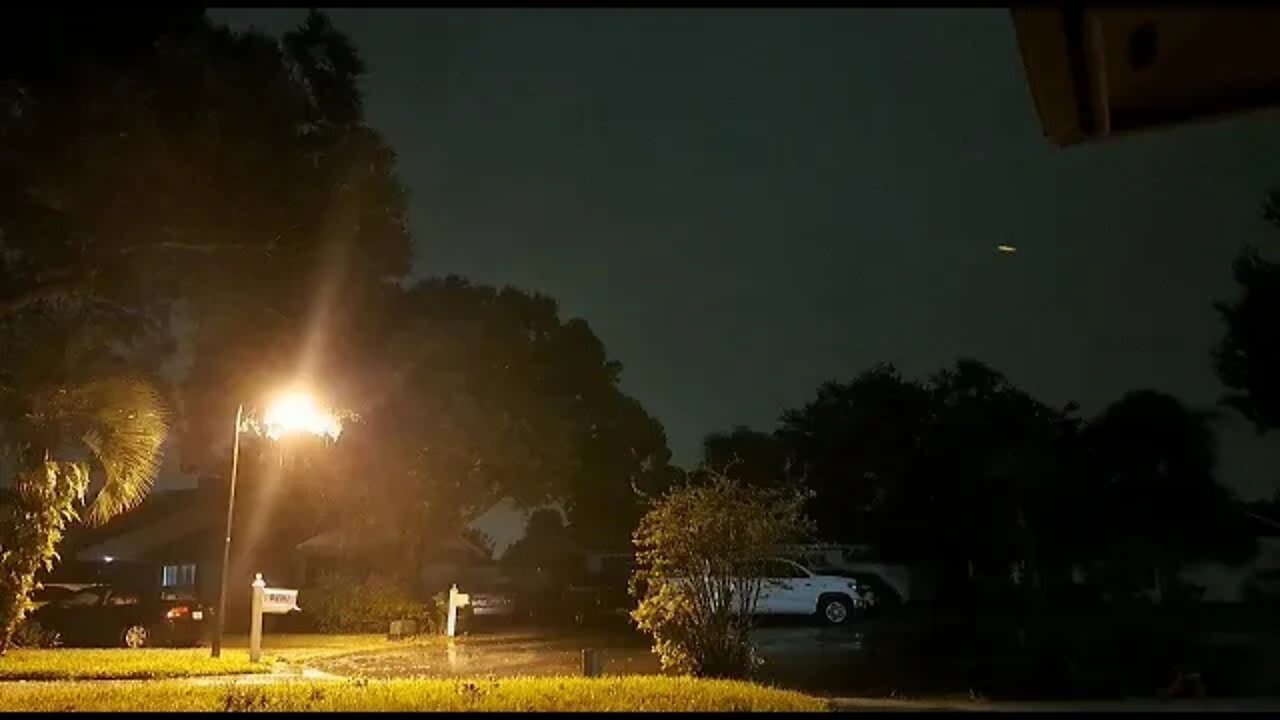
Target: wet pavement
[(801, 650), (501, 654)]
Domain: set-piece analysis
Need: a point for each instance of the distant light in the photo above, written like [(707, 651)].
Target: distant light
[(107, 559), (1007, 249)]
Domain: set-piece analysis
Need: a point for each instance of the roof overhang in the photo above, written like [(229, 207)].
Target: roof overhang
[(1098, 72)]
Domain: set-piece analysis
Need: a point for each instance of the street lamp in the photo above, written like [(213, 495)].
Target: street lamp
[(289, 414)]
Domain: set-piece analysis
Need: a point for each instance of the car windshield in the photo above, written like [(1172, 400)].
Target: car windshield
[(784, 569), (84, 598)]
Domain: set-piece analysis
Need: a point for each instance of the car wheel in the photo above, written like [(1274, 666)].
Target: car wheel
[(835, 609), (134, 636)]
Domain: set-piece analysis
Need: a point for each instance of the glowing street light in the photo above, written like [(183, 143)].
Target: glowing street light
[(297, 412), (291, 413)]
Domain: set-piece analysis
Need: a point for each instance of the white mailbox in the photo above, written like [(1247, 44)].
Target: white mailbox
[(456, 600), (279, 601), (272, 601)]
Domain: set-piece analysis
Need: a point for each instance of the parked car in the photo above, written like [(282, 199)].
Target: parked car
[(104, 615), (789, 588), (52, 593)]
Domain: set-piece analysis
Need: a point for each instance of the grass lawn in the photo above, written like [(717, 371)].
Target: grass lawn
[(305, 648), (155, 663), (96, 664), (646, 693)]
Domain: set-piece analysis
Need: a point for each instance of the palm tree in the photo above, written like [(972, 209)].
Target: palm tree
[(79, 438)]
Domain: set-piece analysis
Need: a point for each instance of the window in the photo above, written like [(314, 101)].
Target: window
[(85, 598), (122, 599), (178, 575), (783, 569)]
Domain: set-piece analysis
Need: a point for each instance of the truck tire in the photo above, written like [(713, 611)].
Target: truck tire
[(835, 609)]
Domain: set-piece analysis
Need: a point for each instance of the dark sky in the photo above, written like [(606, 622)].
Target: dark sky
[(746, 203)]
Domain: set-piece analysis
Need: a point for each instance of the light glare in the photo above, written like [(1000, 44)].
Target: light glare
[(298, 412)]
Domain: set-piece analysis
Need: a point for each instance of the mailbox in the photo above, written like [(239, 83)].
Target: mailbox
[(279, 601)]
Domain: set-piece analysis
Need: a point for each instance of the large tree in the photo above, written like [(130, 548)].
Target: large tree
[(747, 456), (147, 158), (151, 161), (962, 472), (853, 446), (80, 436), (472, 394), (1247, 359), (1159, 504)]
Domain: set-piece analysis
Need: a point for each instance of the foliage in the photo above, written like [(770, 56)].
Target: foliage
[(748, 456), (701, 551), (854, 445), (231, 142), (969, 475), (474, 394), (533, 694), (30, 634), (343, 604), (115, 664), (480, 538), (118, 423), (545, 544), (1158, 499), (953, 472), (30, 527), (1248, 354)]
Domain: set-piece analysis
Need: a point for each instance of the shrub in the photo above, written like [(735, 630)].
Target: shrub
[(701, 552), (30, 634), (340, 603)]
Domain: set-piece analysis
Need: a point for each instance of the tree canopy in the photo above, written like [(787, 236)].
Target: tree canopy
[(1247, 357), (469, 394)]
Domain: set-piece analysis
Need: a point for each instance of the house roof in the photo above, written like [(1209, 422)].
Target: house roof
[(332, 542), (163, 518)]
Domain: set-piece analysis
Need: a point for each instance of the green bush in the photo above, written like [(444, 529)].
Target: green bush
[(339, 603), (701, 551), (29, 634)]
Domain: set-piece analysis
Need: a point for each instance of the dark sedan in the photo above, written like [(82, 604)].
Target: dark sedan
[(103, 615)]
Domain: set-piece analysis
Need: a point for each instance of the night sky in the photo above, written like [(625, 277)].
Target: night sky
[(746, 203)]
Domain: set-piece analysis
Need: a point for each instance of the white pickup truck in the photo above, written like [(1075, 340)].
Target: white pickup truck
[(791, 589)]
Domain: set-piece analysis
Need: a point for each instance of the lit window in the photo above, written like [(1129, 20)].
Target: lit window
[(178, 575)]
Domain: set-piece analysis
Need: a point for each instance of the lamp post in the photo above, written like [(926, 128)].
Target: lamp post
[(218, 617), (291, 413)]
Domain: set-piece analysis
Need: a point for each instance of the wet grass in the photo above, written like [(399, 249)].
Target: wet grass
[(307, 648), (159, 663), (652, 694), (113, 664)]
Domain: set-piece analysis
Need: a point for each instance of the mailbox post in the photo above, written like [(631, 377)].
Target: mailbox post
[(273, 601), (456, 600), (255, 619)]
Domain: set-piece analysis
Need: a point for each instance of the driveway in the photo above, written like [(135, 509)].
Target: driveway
[(802, 650)]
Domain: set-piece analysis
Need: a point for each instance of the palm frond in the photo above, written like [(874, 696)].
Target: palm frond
[(123, 423)]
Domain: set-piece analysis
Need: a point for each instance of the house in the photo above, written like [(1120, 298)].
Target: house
[(170, 540), (446, 560)]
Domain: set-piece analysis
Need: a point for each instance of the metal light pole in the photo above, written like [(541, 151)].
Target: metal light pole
[(220, 616)]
